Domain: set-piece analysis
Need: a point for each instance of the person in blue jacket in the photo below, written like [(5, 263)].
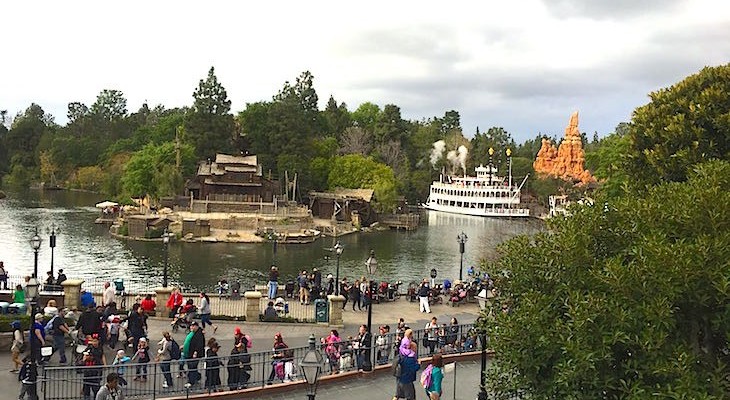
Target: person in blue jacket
[(404, 388)]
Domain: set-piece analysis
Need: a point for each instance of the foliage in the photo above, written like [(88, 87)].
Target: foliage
[(6, 319), (88, 178), (354, 171), (683, 125), (209, 125), (625, 299), (152, 170), (607, 163)]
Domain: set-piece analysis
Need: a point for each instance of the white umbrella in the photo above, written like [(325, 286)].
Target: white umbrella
[(106, 204)]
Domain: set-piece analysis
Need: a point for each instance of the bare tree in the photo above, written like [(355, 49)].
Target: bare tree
[(392, 155), (355, 140)]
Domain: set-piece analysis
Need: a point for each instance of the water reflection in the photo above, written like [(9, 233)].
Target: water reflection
[(86, 250)]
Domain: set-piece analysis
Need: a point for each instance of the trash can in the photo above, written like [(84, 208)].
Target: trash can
[(321, 311)]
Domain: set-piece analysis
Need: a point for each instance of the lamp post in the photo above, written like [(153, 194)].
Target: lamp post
[(461, 239), (32, 289), (166, 241), (52, 242), (274, 238), (311, 365), (35, 244), (338, 251), (485, 304), (491, 153), (371, 264)]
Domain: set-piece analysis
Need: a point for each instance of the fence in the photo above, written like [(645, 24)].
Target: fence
[(233, 372)]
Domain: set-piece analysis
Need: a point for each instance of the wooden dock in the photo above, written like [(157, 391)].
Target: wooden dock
[(407, 222)]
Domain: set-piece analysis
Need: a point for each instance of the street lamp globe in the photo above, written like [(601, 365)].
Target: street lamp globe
[(311, 366), (338, 248), (35, 242), (32, 288), (166, 237)]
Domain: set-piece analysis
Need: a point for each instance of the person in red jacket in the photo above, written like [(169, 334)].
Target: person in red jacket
[(174, 302), (148, 305)]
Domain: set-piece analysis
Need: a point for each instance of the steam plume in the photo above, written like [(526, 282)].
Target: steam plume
[(437, 152)]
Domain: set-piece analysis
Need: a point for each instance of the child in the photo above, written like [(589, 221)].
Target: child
[(142, 357), (27, 377), (441, 338), (120, 360), (17, 345), (113, 328)]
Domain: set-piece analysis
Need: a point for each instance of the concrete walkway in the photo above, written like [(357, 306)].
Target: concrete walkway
[(295, 335)]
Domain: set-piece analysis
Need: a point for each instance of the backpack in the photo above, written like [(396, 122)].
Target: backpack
[(249, 341), (174, 350), (396, 368), (426, 376), (49, 326)]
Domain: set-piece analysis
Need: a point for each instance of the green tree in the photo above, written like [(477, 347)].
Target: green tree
[(354, 171), (389, 126), (366, 116), (336, 118), (209, 125), (683, 125), (148, 170), (255, 127), (626, 299), (110, 105)]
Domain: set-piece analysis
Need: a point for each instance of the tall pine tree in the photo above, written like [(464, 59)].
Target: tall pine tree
[(209, 126)]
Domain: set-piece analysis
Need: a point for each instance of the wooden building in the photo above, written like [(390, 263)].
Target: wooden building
[(342, 204), (231, 178), (147, 226)]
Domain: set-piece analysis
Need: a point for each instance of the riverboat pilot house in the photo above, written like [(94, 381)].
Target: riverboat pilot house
[(231, 178)]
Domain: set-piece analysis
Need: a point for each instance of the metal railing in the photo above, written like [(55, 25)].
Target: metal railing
[(236, 371)]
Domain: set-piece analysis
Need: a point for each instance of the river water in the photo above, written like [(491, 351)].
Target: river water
[(86, 250)]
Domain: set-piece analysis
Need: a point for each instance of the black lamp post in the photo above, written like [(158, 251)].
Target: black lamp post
[(311, 365), (166, 241), (274, 238), (485, 304), (371, 265), (32, 289), (52, 242), (338, 251), (461, 239), (35, 244)]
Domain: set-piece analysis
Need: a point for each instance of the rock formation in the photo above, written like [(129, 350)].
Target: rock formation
[(566, 162)]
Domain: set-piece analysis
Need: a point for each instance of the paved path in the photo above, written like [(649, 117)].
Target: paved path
[(382, 386), (295, 335)]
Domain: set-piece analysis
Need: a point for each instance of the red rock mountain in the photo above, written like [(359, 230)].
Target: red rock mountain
[(567, 161)]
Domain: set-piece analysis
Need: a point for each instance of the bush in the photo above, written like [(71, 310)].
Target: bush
[(6, 319)]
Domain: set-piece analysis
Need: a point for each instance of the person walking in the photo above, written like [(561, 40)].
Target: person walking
[(273, 282), (111, 390), (37, 337), (164, 357), (137, 325), (355, 296), (205, 312), (17, 345), (423, 292), (404, 388), (344, 291), (28, 378), (332, 350), (59, 330), (433, 391), (193, 351)]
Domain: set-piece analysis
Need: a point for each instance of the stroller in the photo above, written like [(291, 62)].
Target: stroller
[(184, 316), (289, 289), (281, 306), (458, 295), (413, 291)]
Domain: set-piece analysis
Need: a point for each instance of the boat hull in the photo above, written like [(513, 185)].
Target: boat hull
[(499, 213)]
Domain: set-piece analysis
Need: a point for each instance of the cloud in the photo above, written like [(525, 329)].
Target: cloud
[(613, 9)]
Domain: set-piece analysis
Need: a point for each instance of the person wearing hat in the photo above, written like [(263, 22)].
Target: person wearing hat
[(37, 336), (17, 345), (239, 337)]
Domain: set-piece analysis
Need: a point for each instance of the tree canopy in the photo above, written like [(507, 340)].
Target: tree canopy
[(627, 298)]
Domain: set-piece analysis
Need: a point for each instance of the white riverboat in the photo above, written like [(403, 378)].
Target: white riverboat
[(486, 195)]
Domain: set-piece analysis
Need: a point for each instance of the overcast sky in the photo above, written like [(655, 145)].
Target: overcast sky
[(524, 65)]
